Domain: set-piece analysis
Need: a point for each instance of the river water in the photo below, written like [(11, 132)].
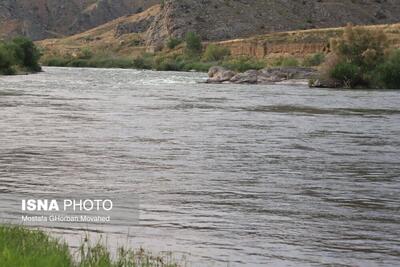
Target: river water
[(228, 175)]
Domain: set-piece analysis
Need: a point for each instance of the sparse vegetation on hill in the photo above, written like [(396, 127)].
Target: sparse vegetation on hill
[(19, 55)]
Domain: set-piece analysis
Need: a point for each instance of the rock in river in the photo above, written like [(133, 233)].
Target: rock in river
[(265, 76)]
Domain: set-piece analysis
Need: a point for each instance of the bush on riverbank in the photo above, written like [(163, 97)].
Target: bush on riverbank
[(19, 55), (314, 60), (389, 71), (361, 59), (31, 248), (215, 53)]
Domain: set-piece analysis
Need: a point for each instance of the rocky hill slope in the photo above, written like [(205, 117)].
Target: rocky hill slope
[(39, 19), (227, 19)]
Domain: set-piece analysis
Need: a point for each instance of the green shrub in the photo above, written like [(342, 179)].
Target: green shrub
[(360, 46), (197, 66), (285, 62), (346, 73), (6, 61), (314, 60), (56, 62), (389, 72), (355, 57), (244, 63), (19, 53), (193, 43), (85, 53), (78, 63), (27, 53), (290, 62), (144, 61), (166, 63), (215, 53), (173, 42)]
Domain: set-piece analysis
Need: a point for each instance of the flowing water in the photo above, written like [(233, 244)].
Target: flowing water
[(230, 175)]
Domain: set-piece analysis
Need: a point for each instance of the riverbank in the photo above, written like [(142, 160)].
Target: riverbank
[(21, 246), (178, 60)]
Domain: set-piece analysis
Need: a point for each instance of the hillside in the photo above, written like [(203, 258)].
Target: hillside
[(227, 19), (122, 36), (212, 19), (126, 37), (40, 19)]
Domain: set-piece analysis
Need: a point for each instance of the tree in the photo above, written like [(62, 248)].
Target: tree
[(355, 57), (173, 42), (6, 60), (360, 46), (193, 43), (27, 53), (389, 72)]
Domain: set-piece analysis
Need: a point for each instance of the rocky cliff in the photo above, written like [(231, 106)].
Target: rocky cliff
[(227, 19), (39, 19)]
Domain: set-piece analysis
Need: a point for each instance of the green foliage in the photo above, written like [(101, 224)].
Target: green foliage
[(6, 61), (289, 62), (197, 66), (193, 43), (31, 248), (347, 73), (20, 53), (389, 72), (22, 247), (166, 63), (94, 62), (286, 61), (360, 59), (27, 53), (244, 63), (215, 53), (85, 53), (144, 61), (314, 60), (362, 47), (56, 62), (173, 42)]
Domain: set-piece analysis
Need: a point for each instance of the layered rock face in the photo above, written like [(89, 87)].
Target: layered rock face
[(228, 19), (39, 19)]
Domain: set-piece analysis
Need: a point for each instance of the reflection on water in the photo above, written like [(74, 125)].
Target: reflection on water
[(251, 175)]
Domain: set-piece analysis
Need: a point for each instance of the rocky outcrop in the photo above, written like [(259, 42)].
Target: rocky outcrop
[(228, 19), (219, 74), (264, 76), (39, 19)]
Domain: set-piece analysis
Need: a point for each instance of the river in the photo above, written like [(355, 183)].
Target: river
[(229, 175)]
